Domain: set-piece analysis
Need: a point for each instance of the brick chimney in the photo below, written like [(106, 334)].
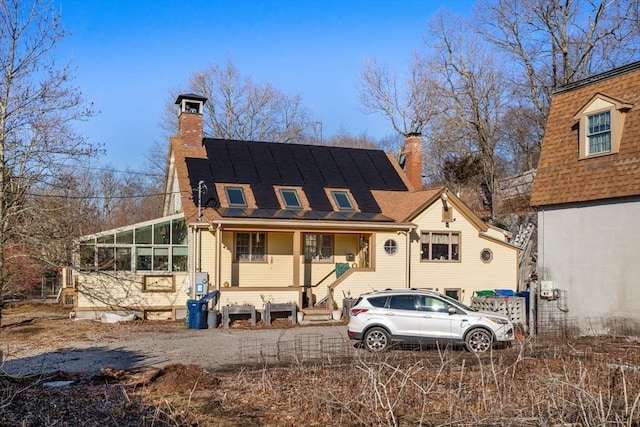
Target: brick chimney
[(190, 119), (412, 151)]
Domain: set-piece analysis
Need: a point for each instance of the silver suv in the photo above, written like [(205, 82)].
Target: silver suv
[(381, 318)]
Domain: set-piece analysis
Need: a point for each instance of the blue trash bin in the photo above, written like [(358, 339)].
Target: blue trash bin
[(197, 311)]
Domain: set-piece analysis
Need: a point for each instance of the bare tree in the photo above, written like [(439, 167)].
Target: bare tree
[(484, 86), (408, 105), (556, 42), (475, 97), (344, 139), (125, 196), (38, 106), (238, 108)]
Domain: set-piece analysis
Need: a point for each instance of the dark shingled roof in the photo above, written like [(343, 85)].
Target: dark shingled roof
[(314, 168)]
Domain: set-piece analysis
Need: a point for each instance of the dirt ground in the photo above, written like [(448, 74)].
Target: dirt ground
[(42, 339), (57, 371), (48, 357)]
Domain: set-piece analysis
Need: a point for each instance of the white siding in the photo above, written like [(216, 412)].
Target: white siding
[(593, 252)]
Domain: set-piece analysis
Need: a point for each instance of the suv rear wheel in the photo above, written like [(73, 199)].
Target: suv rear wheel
[(376, 339), (478, 340)]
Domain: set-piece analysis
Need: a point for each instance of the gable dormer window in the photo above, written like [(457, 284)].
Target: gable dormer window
[(600, 125), (599, 132), (235, 197), (342, 200), (290, 198)]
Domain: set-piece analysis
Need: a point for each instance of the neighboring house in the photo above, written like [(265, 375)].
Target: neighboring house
[(268, 222), (587, 192)]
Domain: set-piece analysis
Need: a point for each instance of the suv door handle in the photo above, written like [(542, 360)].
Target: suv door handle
[(390, 313), (426, 316)]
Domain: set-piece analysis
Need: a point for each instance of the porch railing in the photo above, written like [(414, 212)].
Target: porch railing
[(310, 292)]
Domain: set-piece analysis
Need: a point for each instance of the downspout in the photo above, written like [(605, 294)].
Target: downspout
[(198, 250)]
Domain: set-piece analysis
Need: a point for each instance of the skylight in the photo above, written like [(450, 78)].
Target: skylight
[(235, 196), (342, 199), (290, 198)]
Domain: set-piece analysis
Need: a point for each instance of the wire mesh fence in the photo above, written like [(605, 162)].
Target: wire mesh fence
[(303, 348)]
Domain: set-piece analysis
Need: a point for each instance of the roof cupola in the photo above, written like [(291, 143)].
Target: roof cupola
[(190, 122)]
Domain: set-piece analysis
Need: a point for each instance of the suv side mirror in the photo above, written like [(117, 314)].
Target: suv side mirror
[(452, 310)]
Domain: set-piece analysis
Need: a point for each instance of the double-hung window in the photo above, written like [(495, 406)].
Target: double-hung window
[(440, 246), (599, 132), (251, 247), (600, 126), (318, 247)]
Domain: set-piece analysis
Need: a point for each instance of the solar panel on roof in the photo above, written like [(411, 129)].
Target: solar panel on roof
[(315, 168), (387, 172), (265, 195), (325, 158), (242, 161), (265, 164), (349, 169), (365, 200), (367, 169), (283, 161), (317, 198), (198, 170), (221, 168), (306, 164)]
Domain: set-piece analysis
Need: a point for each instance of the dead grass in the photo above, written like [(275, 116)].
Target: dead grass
[(583, 382)]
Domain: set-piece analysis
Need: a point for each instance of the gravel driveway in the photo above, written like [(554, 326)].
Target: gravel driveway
[(129, 348)]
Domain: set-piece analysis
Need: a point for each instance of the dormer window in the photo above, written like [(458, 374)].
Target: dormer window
[(342, 200), (235, 197), (599, 133), (600, 125), (290, 198)]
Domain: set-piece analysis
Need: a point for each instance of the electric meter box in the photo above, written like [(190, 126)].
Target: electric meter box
[(202, 283), (547, 291)]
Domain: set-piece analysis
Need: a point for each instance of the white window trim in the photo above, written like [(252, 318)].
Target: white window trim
[(598, 104)]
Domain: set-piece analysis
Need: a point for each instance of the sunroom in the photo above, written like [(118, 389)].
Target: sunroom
[(138, 268)]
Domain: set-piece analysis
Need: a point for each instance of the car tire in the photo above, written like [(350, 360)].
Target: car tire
[(377, 339), (478, 340)]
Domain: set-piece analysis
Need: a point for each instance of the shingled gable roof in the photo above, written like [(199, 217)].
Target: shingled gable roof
[(562, 176), (262, 166)]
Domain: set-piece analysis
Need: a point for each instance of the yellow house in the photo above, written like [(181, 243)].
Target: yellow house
[(268, 222)]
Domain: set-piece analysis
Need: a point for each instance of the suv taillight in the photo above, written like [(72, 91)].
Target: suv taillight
[(356, 311)]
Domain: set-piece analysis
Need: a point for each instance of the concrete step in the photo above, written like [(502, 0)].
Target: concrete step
[(316, 314), (313, 315)]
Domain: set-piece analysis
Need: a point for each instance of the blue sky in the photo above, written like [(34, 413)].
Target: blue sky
[(128, 55)]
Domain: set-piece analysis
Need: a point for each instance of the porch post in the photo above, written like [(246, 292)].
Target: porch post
[(218, 259), (408, 259), (296, 257)]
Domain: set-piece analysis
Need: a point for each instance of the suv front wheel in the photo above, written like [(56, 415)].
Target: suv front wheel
[(376, 339), (478, 340)]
